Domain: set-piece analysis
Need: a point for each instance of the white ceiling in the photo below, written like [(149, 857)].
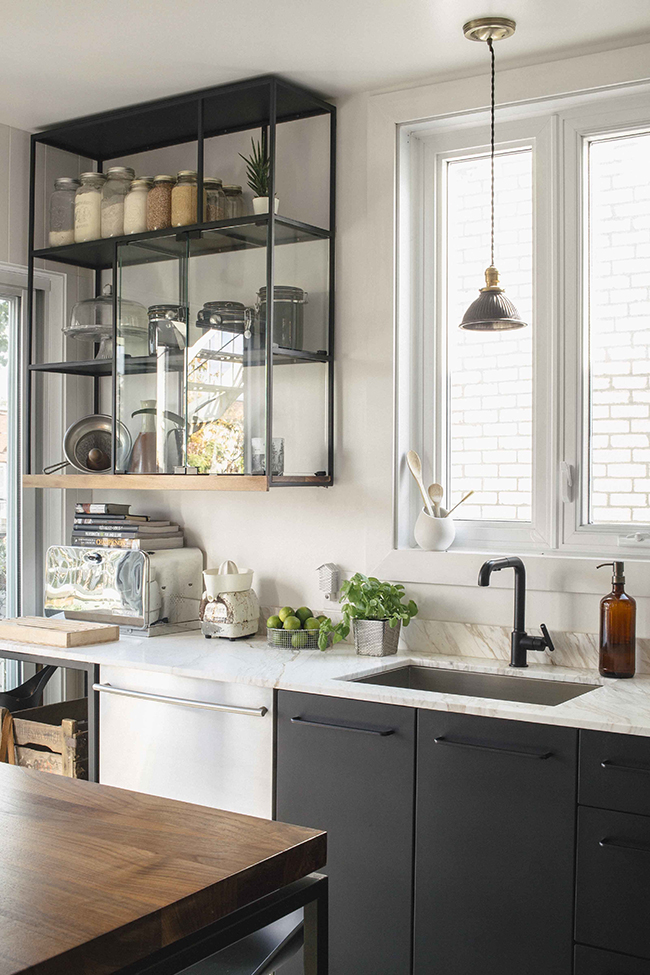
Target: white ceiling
[(65, 58)]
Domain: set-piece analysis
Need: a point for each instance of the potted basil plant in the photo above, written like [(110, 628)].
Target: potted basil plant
[(257, 171), (376, 611)]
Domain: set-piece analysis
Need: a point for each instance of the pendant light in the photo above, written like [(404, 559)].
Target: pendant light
[(492, 311)]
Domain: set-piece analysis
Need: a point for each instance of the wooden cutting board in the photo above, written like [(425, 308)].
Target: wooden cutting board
[(57, 633)]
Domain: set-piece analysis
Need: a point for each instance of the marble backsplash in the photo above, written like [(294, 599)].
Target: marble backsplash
[(579, 650)]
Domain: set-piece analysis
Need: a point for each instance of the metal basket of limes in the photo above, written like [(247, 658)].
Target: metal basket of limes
[(295, 629)]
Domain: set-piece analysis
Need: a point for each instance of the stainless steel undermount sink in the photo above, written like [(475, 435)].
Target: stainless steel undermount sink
[(525, 690)]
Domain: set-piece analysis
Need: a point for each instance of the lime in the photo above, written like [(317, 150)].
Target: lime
[(322, 619), (304, 613), (284, 612), (300, 640), (274, 623), (312, 623), (292, 623), (278, 640)]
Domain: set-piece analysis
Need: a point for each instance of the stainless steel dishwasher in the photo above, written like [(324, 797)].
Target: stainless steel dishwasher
[(196, 740)]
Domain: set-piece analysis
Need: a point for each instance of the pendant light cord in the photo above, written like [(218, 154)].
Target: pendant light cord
[(491, 47)]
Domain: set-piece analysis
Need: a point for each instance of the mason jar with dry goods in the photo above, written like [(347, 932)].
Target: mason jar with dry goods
[(184, 198), (159, 203), (135, 205), (62, 211), (118, 181), (234, 200), (88, 207), (214, 199)]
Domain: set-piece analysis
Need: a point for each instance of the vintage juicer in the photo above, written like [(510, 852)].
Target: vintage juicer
[(229, 606)]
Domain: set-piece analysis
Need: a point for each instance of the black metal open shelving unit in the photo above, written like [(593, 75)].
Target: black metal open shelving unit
[(257, 103)]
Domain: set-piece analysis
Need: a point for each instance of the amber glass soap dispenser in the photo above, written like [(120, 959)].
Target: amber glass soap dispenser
[(617, 628)]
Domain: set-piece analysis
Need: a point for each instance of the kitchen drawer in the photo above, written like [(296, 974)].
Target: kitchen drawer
[(595, 961), (613, 881), (615, 772)]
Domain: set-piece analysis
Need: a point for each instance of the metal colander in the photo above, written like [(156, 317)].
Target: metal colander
[(93, 431)]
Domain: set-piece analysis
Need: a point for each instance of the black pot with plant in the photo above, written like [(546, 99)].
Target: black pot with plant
[(375, 610)]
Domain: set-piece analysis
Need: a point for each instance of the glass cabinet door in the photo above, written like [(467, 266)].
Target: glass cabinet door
[(150, 388)]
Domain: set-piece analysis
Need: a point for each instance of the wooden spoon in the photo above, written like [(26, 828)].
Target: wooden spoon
[(468, 495), (435, 492), (415, 467)]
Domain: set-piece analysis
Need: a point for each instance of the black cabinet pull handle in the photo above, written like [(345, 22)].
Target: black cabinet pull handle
[(382, 732), (622, 845), (459, 743), (617, 767)]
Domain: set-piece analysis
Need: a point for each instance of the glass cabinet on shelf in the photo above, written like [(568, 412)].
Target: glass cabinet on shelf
[(230, 375)]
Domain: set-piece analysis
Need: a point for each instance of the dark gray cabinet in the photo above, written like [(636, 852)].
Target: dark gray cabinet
[(613, 855), (494, 853), (348, 767)]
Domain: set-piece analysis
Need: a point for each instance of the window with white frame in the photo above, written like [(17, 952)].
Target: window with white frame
[(10, 318), (549, 425)]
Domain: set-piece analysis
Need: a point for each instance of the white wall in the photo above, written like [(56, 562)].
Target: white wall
[(285, 534)]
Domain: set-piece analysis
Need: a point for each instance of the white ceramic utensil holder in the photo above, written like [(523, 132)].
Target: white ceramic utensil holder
[(434, 534)]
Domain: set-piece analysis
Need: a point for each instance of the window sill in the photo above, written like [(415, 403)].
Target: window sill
[(553, 572)]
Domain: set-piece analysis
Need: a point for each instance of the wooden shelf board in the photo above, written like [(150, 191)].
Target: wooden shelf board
[(148, 482)]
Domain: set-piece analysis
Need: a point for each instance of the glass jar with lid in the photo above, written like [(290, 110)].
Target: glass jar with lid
[(118, 181), (234, 200), (184, 198), (62, 211), (159, 203), (88, 207), (135, 205), (214, 199)]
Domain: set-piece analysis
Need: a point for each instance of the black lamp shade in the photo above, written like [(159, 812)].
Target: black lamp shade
[(491, 312)]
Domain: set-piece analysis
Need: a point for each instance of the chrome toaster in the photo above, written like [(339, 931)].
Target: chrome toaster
[(148, 593)]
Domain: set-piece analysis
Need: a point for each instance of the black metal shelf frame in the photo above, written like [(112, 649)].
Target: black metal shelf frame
[(256, 103)]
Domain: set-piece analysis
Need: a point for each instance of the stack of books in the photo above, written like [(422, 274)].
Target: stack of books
[(112, 526)]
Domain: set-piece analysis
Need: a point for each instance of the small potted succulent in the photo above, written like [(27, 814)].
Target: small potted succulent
[(257, 171), (376, 611)]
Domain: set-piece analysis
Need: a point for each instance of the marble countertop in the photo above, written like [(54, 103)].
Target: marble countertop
[(621, 706)]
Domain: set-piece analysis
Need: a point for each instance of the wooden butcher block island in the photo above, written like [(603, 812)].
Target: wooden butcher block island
[(101, 880)]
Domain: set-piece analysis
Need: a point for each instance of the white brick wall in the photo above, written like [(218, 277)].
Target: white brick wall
[(619, 329), (490, 374)]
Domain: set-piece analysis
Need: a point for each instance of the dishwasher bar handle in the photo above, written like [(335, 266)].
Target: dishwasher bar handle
[(181, 701)]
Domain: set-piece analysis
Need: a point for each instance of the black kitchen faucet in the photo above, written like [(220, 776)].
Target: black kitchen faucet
[(520, 642)]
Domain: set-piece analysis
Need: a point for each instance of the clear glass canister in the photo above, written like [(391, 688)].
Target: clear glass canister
[(214, 199), (62, 211), (159, 203), (88, 207), (118, 181), (184, 198), (234, 200), (135, 205)]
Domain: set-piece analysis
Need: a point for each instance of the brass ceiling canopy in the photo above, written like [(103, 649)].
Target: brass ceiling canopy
[(489, 28), (492, 311)]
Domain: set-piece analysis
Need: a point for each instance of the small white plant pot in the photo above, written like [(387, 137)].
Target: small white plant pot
[(261, 204), (434, 534)]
